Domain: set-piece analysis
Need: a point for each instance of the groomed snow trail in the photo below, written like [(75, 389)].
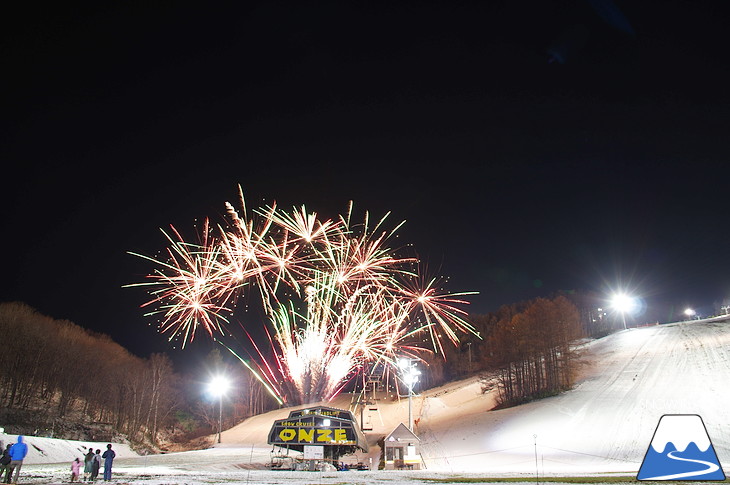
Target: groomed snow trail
[(631, 379)]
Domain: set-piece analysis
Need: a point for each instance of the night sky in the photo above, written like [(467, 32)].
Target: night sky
[(530, 146)]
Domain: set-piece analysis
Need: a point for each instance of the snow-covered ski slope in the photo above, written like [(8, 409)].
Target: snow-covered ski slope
[(630, 380), (605, 424), (627, 381)]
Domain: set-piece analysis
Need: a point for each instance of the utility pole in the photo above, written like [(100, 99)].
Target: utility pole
[(410, 377)]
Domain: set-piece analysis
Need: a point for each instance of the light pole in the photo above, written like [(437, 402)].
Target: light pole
[(218, 387), (623, 304), (410, 375)]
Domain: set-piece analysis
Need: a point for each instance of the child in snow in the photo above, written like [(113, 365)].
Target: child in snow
[(75, 469)]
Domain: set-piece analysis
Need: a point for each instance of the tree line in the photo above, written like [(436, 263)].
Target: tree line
[(532, 352), (528, 347), (62, 368), (59, 366)]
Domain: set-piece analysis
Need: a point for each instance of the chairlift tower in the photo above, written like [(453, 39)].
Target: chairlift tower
[(367, 399)]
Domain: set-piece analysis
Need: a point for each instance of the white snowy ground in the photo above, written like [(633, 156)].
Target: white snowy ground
[(603, 426)]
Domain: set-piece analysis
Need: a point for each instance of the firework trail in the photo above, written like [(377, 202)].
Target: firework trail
[(339, 300)]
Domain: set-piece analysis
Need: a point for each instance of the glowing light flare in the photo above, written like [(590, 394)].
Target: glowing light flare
[(218, 386), (623, 303)]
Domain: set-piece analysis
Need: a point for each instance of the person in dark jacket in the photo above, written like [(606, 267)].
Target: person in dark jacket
[(88, 464), (108, 459), (17, 454), (97, 464), (5, 463)]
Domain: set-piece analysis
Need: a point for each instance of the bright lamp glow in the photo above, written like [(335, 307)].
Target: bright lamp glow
[(409, 375), (689, 312), (412, 377), (409, 372), (623, 303), (218, 386)]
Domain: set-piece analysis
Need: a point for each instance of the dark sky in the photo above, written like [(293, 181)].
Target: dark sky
[(530, 146)]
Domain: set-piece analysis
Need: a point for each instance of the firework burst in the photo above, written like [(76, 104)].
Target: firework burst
[(339, 300)]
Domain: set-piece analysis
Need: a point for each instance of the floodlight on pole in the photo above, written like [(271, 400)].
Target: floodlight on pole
[(218, 387), (623, 304), (690, 313), (409, 375)]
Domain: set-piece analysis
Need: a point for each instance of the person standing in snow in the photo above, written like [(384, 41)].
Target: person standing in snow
[(5, 462), (75, 469), (17, 454), (97, 464), (108, 459), (88, 464)]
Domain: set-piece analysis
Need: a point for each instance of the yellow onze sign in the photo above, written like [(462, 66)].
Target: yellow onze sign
[(308, 435)]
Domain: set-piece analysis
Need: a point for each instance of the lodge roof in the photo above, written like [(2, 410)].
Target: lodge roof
[(401, 433)]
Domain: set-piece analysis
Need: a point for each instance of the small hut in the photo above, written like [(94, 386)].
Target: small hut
[(401, 449)]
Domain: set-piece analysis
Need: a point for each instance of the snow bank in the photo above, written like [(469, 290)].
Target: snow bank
[(51, 450)]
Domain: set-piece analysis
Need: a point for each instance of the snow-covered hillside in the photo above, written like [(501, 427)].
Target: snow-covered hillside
[(631, 379), (627, 382)]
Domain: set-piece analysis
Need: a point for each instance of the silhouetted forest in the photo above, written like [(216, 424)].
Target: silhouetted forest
[(86, 386)]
